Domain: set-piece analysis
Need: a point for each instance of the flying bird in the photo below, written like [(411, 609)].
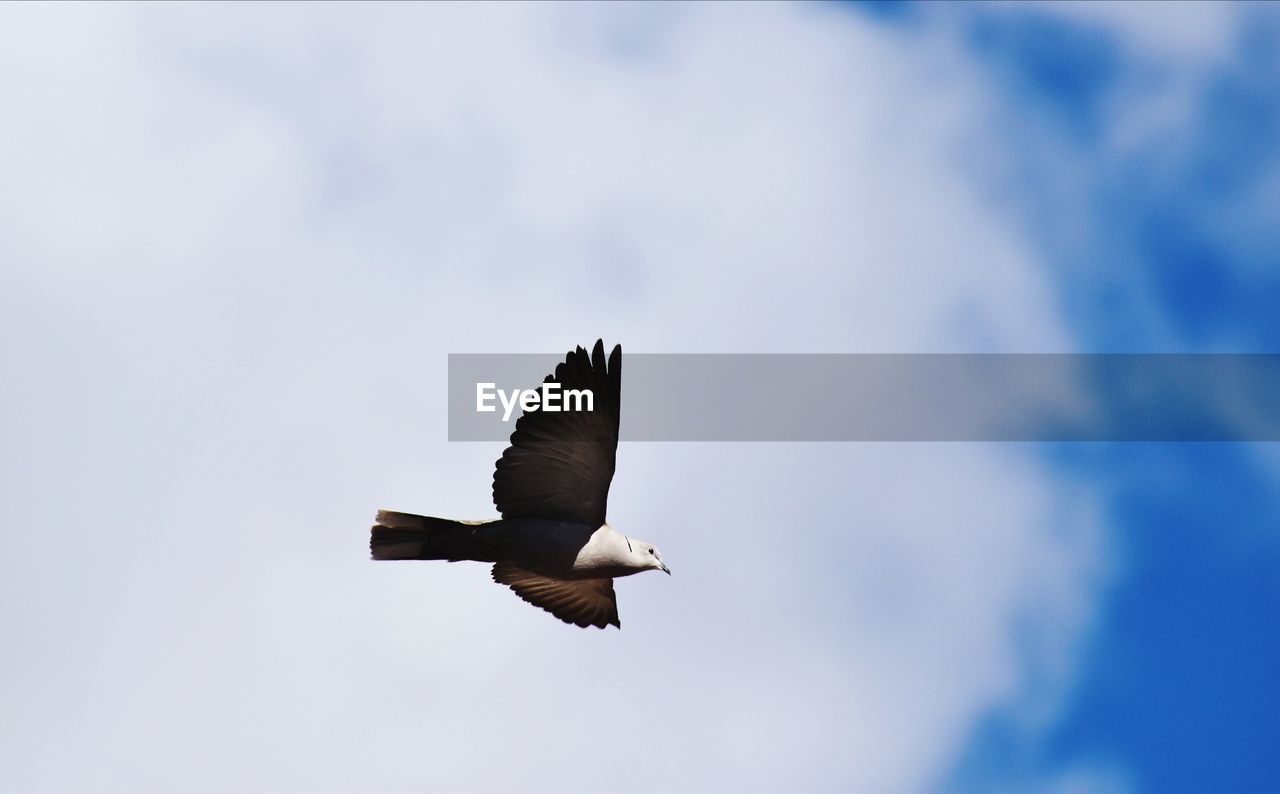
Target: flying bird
[(552, 546)]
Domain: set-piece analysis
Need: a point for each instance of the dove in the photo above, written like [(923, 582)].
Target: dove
[(552, 546)]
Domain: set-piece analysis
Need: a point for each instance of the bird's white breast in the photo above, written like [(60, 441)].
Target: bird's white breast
[(606, 548)]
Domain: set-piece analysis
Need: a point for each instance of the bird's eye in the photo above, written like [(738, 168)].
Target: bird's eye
[(651, 551)]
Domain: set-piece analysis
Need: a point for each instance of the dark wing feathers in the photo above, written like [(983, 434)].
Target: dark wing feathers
[(560, 464), (582, 602)]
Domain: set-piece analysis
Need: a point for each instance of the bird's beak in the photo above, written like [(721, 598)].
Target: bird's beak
[(665, 568)]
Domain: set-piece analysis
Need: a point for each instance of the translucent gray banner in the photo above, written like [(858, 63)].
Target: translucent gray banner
[(895, 397)]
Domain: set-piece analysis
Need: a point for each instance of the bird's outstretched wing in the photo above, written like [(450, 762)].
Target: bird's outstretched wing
[(560, 464), (582, 602)]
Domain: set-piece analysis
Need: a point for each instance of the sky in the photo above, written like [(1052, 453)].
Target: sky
[(237, 243)]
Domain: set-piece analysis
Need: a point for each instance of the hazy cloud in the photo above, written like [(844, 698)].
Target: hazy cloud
[(237, 244)]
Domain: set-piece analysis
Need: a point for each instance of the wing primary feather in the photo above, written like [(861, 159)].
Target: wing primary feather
[(560, 464)]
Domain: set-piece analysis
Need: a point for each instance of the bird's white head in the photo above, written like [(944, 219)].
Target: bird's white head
[(645, 555)]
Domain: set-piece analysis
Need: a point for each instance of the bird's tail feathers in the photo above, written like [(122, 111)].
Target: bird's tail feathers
[(405, 536)]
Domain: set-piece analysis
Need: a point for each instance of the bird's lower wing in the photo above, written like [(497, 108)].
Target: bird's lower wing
[(582, 602)]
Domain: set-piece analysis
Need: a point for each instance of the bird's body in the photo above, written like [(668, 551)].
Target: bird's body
[(552, 545), (558, 549)]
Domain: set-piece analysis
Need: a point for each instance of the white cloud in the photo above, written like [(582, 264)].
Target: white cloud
[(240, 242)]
